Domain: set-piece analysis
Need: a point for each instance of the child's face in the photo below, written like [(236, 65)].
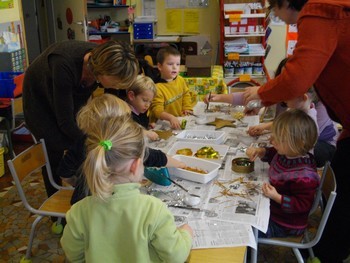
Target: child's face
[(281, 147), (301, 103), (142, 101), (170, 67)]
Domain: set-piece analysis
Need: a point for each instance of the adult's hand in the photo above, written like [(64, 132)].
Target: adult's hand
[(251, 93)]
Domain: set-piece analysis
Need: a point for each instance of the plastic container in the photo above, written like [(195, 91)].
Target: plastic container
[(221, 149), (157, 175), (210, 167), (2, 164), (11, 84), (202, 136)]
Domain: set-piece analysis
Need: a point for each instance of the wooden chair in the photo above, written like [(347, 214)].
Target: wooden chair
[(25, 164), (326, 192)]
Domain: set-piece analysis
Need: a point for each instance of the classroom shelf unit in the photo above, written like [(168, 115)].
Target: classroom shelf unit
[(242, 38)]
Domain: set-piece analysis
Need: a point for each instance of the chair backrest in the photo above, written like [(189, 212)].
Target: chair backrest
[(318, 195), (17, 110), (28, 162), (329, 188)]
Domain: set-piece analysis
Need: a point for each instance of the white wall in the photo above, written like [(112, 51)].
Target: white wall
[(277, 40)]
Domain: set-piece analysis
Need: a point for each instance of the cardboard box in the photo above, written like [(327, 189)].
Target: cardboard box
[(198, 65)]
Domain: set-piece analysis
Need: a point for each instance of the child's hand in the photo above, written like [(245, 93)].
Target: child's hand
[(153, 136), (213, 97), (256, 130), (254, 153), (172, 162), (187, 228), (175, 123), (152, 125), (187, 112), (270, 192)]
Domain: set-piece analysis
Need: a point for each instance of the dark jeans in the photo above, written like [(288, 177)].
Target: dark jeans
[(334, 245), (276, 230)]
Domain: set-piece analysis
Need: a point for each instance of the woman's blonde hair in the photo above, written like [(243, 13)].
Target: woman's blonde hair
[(141, 84), (117, 59), (107, 117), (296, 129)]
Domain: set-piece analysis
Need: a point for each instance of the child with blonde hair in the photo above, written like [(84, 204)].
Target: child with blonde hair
[(117, 223), (173, 98), (103, 107), (293, 177), (139, 97)]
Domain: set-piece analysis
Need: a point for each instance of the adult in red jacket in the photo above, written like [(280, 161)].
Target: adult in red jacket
[(321, 58)]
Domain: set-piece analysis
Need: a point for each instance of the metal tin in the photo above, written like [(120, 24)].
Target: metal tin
[(242, 165)]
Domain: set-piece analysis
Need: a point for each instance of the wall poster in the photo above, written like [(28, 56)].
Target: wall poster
[(6, 4)]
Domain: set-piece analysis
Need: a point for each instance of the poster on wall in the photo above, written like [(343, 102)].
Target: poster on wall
[(179, 21), (6, 4)]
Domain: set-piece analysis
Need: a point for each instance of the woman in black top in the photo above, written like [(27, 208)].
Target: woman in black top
[(61, 80)]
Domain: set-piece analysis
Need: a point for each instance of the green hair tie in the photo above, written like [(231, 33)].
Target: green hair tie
[(107, 145)]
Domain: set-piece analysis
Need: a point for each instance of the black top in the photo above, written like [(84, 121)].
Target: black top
[(53, 93), (141, 119)]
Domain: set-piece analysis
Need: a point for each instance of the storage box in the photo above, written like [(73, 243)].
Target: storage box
[(144, 30), (11, 84), (194, 147), (202, 136), (13, 61), (198, 65), (210, 168)]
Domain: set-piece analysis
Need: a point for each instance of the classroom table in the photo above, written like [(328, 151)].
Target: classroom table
[(216, 255), (221, 254)]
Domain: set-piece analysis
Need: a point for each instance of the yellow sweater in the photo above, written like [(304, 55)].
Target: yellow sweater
[(172, 97)]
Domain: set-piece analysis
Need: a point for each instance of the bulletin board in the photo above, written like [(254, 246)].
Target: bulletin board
[(6, 4), (182, 21)]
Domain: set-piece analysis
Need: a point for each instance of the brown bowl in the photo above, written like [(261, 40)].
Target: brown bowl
[(242, 165)]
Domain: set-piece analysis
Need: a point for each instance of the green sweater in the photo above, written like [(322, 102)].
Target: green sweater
[(129, 227)]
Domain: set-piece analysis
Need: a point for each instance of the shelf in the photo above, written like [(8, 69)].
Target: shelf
[(107, 5), (160, 39), (246, 35), (108, 33), (261, 15), (254, 50)]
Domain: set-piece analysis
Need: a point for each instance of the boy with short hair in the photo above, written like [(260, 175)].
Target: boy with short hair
[(173, 98)]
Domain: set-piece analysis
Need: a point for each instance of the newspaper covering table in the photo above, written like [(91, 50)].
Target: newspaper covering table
[(231, 204)]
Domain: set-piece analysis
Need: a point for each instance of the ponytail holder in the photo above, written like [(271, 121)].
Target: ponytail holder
[(107, 145)]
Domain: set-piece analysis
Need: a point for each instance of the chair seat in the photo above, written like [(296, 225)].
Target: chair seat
[(58, 202), (296, 239)]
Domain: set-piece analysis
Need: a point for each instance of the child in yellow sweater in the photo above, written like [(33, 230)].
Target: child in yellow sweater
[(173, 98)]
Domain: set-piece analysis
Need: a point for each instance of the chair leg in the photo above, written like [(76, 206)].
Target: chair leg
[(9, 139), (298, 255), (31, 236)]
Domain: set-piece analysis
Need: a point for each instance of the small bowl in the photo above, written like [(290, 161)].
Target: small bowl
[(157, 175), (242, 165)]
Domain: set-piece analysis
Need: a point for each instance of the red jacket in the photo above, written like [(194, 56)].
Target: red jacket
[(321, 58)]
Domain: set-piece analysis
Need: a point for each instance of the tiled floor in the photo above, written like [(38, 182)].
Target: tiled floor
[(15, 223)]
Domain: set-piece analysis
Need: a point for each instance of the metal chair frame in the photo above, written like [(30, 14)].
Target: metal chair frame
[(327, 189), (25, 164)]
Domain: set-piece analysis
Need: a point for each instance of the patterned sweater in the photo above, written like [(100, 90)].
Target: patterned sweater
[(296, 180)]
